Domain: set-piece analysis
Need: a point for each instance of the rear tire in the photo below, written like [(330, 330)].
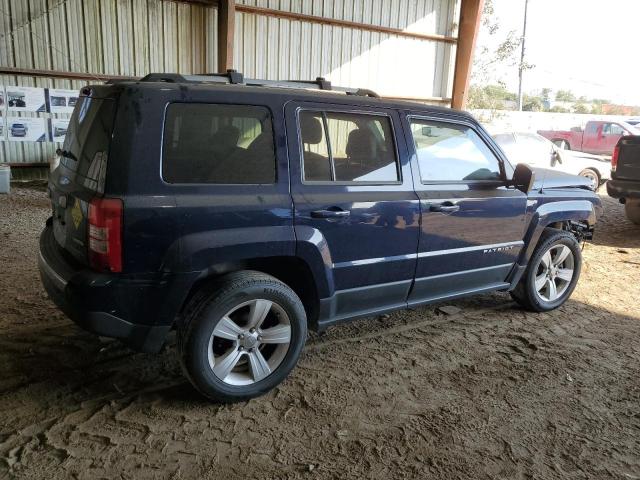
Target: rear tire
[(241, 336), (552, 273), (632, 210), (562, 144)]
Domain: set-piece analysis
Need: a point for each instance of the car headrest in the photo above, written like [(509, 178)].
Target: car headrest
[(310, 129), (227, 136), (361, 143)]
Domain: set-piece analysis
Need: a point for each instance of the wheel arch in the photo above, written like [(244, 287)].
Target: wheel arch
[(290, 270), (556, 215)]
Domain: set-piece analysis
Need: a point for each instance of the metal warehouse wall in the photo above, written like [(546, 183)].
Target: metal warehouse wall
[(135, 37), (279, 48), (119, 37)]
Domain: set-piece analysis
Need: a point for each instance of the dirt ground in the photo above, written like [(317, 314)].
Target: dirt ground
[(490, 392)]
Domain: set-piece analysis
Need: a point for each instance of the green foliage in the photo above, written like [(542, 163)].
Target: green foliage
[(545, 94), (532, 104), (565, 96), (492, 97), (485, 59), (559, 109), (580, 107)]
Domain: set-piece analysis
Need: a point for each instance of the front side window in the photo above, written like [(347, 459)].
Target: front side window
[(452, 153), (220, 144), (347, 147), (616, 129)]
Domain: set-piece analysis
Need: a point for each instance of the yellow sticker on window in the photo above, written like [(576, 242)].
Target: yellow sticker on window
[(76, 214)]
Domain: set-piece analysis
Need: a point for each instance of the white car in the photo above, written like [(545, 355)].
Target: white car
[(537, 151)]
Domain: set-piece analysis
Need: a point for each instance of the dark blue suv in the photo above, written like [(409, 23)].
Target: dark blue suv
[(242, 212)]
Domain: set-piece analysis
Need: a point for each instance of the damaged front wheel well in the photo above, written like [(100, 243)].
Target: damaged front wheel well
[(580, 229)]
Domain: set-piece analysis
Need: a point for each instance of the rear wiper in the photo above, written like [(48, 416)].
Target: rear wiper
[(66, 154)]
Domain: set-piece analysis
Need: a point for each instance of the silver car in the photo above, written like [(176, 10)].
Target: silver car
[(537, 151)]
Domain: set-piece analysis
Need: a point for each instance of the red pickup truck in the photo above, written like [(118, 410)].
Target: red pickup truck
[(598, 137)]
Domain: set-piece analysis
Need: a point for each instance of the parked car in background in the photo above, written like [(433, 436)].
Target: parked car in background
[(537, 151), (16, 101), (59, 131), (634, 122), (19, 130), (58, 102), (598, 137), (625, 176)]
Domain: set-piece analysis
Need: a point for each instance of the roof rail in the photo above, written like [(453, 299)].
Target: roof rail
[(236, 78)]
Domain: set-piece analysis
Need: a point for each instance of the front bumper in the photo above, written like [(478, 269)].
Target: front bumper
[(623, 188), (138, 309)]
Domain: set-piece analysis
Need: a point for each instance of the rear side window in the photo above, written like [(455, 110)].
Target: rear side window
[(219, 144), (452, 153), (86, 143), (347, 147)]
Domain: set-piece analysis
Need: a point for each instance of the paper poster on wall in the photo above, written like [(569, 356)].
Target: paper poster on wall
[(26, 129), (2, 103), (61, 101), (25, 99), (59, 129)]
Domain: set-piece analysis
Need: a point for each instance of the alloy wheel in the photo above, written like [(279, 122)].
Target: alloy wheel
[(249, 342), (554, 273)]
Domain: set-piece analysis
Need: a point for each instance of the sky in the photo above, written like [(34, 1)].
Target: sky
[(590, 47)]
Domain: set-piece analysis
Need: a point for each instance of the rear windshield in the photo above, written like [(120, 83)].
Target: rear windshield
[(86, 145), (222, 144)]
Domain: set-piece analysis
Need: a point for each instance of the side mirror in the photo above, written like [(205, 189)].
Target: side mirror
[(523, 178), (556, 157)]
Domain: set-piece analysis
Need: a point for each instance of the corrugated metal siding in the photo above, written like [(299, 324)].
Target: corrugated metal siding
[(135, 37), (279, 48), (119, 37)]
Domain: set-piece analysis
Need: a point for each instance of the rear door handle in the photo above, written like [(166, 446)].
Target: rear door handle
[(444, 207), (329, 213)]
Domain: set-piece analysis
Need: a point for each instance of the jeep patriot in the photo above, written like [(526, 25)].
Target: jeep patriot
[(243, 212)]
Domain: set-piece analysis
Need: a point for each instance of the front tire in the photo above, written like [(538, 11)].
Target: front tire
[(241, 336), (593, 177), (632, 210), (552, 273)]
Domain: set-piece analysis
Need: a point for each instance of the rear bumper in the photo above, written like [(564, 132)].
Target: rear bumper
[(139, 310), (623, 188)]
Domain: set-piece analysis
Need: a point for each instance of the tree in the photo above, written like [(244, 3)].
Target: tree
[(545, 94), (490, 97), (485, 60), (580, 108), (565, 96)]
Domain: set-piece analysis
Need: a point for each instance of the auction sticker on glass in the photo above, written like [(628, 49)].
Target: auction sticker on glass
[(58, 129), (25, 99), (61, 101), (26, 129)]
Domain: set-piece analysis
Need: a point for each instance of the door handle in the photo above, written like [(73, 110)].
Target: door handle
[(444, 207), (330, 213)]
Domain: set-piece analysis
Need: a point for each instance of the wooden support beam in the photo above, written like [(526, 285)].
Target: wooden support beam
[(303, 17), (470, 16), (226, 29), (31, 72)]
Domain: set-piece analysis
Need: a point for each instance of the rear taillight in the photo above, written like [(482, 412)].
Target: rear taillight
[(105, 234), (614, 158)]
